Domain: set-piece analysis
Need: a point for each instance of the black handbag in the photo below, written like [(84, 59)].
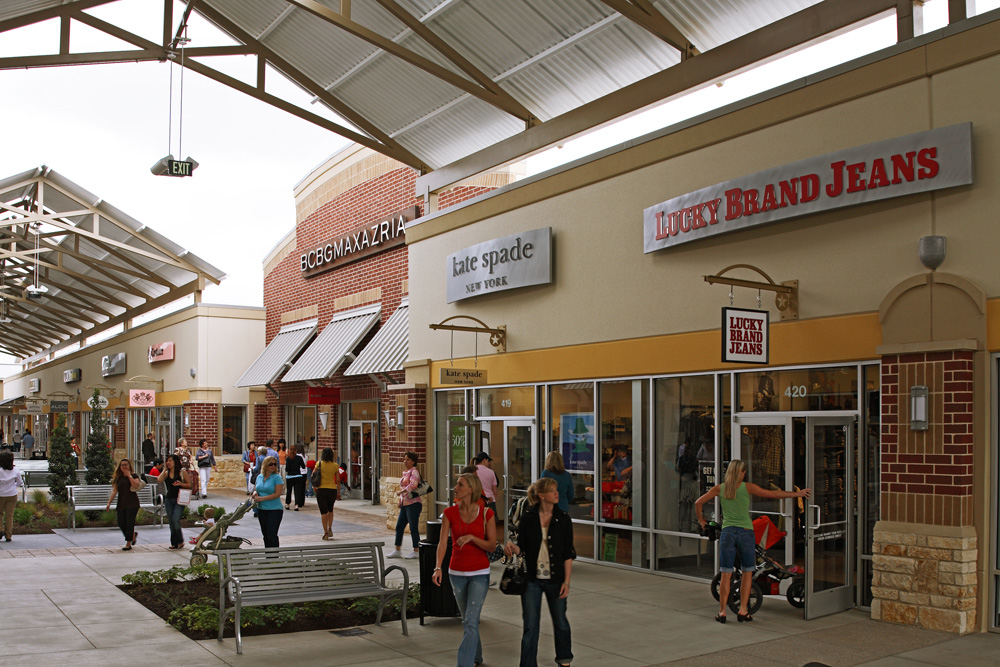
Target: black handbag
[(515, 579), (497, 552), (422, 489)]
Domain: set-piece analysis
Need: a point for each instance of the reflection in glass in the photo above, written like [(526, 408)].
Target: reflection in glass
[(506, 402), (233, 420), (624, 454), (574, 433), (685, 449), (583, 540), (834, 388), (690, 556), (623, 546), (450, 440)]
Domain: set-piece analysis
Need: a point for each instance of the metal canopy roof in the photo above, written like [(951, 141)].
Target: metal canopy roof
[(457, 87), (325, 355), (278, 354), (390, 347), (98, 266)]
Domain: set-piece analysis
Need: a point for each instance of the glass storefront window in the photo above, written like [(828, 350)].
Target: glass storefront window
[(685, 449), (690, 556), (574, 432), (625, 547), (624, 454), (233, 428), (583, 540), (506, 402), (367, 411), (304, 437), (452, 437), (832, 388)]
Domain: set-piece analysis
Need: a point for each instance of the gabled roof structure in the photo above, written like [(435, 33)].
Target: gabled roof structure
[(98, 266), (458, 87)]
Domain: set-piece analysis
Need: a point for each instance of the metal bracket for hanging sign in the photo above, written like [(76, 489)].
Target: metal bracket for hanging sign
[(786, 298), (498, 335), (145, 379)]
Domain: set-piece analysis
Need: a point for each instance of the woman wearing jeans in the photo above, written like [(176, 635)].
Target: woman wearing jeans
[(545, 538), (175, 478), (124, 484), (409, 508), (267, 495), (737, 531), (473, 534)]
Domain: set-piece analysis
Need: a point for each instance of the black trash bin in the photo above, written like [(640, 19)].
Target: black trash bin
[(435, 600)]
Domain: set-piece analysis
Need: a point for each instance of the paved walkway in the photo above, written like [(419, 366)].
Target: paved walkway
[(60, 606)]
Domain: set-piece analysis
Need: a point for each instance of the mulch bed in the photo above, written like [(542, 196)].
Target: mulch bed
[(161, 599), (56, 517)]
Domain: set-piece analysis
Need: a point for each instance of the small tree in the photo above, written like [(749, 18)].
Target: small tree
[(99, 463), (62, 464)]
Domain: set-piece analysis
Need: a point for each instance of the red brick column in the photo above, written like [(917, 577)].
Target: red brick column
[(202, 421), (925, 546)]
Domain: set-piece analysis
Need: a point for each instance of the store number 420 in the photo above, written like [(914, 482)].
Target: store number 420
[(796, 391)]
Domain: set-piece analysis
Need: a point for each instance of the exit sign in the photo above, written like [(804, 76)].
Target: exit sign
[(179, 168)]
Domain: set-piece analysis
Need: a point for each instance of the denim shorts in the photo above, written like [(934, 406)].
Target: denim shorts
[(733, 540)]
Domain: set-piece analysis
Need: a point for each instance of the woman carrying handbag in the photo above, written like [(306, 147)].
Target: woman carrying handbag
[(545, 541), (473, 533)]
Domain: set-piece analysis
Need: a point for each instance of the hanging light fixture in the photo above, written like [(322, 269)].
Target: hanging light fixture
[(36, 290)]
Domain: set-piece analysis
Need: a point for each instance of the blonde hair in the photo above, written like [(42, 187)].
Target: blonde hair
[(554, 463), (544, 485), (477, 486), (264, 464), (736, 467)]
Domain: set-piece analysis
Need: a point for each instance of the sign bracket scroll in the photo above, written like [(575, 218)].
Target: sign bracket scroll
[(786, 298)]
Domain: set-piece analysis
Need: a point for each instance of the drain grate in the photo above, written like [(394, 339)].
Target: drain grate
[(350, 632)]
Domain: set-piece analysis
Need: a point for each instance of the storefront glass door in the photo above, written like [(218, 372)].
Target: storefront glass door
[(460, 434), (363, 473), (829, 466), (511, 444)]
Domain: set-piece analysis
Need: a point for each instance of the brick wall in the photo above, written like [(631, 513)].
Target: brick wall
[(202, 421), (927, 475)]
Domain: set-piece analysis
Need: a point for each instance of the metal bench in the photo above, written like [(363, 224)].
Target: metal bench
[(280, 575), (95, 497)]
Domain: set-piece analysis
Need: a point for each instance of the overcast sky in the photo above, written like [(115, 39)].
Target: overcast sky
[(103, 126)]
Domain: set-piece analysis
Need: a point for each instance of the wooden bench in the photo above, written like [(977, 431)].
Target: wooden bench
[(95, 497), (280, 575)]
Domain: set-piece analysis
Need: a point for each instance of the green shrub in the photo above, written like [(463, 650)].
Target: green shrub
[(62, 463), (175, 573), (140, 516), (81, 518), (201, 616), (23, 515), (39, 497), (109, 518)]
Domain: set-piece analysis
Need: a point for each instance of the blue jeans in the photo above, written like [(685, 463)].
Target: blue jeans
[(531, 608), (270, 520), (470, 593), (409, 514), (733, 540), (174, 519)]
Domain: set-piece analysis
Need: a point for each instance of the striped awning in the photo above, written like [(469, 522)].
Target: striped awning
[(390, 347), (345, 331), (275, 358)]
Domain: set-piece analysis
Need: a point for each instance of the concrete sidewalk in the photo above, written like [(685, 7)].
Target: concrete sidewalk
[(61, 606)]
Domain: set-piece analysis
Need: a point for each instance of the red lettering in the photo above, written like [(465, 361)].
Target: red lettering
[(697, 222), (928, 165), (770, 200), (789, 192), (837, 186), (685, 224), (904, 166), (734, 204), (810, 188), (661, 232), (854, 181), (750, 205), (713, 210), (879, 178)]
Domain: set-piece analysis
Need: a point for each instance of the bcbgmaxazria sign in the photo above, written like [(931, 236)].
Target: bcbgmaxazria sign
[(920, 162), (359, 243)]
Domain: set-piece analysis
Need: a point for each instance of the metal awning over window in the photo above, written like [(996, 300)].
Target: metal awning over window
[(275, 358), (327, 352), (12, 402), (390, 347)]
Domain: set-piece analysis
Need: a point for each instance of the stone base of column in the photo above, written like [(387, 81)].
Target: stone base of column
[(925, 576), (388, 488)]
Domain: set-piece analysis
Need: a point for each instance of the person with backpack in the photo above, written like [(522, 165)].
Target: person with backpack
[(545, 540)]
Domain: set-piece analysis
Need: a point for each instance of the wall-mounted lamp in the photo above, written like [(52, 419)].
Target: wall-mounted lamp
[(932, 251), (324, 418), (400, 418), (389, 423), (918, 408)]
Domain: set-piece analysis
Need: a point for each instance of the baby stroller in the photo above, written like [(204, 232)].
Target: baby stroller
[(214, 537), (768, 573)]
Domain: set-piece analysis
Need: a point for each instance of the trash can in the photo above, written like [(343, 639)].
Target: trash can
[(435, 600)]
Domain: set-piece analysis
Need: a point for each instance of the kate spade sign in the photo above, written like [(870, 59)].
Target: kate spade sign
[(506, 263)]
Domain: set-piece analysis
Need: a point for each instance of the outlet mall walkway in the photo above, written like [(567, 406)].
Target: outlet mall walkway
[(60, 606)]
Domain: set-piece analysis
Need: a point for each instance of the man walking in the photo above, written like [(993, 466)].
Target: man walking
[(29, 443)]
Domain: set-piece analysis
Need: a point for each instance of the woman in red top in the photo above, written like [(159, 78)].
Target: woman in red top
[(473, 534)]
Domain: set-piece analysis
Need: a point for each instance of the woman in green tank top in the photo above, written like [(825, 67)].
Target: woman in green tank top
[(737, 531)]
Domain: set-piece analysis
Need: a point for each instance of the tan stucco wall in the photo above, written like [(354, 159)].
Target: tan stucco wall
[(219, 342), (606, 289)]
